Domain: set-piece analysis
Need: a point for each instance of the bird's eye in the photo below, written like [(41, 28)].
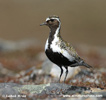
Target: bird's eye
[(52, 20)]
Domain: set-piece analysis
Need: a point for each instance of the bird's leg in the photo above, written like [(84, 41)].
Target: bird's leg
[(66, 74), (60, 73)]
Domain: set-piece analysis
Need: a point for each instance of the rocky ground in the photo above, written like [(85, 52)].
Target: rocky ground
[(26, 74)]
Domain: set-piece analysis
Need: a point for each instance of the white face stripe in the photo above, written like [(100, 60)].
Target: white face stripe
[(47, 19)]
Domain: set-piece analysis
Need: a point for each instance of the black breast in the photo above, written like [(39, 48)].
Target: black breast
[(58, 58)]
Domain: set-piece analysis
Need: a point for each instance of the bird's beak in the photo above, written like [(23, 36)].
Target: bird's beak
[(43, 24)]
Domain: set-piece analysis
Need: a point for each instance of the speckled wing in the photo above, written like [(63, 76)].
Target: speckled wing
[(71, 50)]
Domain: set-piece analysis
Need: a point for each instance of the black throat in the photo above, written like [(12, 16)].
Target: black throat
[(51, 35)]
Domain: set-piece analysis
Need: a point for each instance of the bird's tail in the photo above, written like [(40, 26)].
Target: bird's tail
[(81, 63), (86, 65)]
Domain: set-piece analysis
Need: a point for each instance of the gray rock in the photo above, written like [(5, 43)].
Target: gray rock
[(7, 91), (44, 90), (6, 45)]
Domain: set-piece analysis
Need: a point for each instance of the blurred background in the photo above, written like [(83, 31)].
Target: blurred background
[(22, 41), (83, 21)]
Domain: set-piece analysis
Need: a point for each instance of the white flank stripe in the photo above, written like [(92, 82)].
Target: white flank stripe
[(67, 55), (56, 48)]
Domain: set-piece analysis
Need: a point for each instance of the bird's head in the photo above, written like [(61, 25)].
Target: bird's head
[(52, 22)]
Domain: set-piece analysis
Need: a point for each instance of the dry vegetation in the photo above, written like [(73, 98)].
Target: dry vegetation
[(16, 67)]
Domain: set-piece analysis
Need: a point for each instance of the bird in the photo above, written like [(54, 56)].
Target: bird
[(58, 50)]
